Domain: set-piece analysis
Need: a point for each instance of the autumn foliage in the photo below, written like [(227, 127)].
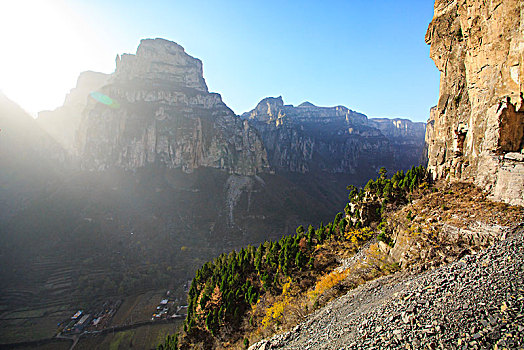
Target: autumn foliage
[(251, 291)]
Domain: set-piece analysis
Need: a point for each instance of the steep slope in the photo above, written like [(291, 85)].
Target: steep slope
[(167, 178), (474, 137), (391, 224), (475, 302), (476, 132)]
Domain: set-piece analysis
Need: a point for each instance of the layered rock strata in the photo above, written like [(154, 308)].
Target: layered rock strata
[(406, 139), (476, 132), (308, 138), (156, 108)]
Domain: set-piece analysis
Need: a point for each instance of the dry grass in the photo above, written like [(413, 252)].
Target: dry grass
[(283, 312), (446, 222), (417, 229)]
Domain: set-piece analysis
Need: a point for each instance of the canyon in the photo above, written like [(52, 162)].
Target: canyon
[(458, 245), (143, 175)]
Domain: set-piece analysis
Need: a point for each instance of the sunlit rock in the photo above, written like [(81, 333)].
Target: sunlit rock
[(478, 47)]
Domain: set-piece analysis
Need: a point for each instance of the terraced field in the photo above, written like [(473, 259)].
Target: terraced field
[(145, 337)]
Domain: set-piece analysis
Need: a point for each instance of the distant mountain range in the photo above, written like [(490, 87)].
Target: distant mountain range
[(149, 150), (338, 140)]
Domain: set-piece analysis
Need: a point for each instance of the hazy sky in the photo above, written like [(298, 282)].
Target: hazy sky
[(368, 55)]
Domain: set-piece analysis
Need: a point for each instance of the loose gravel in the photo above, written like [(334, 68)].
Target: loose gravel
[(474, 303)]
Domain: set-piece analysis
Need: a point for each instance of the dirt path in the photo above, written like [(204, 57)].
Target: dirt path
[(75, 341)]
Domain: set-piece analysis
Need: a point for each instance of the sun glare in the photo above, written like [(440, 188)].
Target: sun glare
[(45, 46)]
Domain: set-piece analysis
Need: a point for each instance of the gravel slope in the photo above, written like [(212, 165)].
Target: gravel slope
[(473, 303)]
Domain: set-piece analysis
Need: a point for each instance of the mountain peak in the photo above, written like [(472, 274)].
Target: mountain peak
[(267, 109), (306, 104), (161, 60), (159, 98), (271, 101), (158, 46)]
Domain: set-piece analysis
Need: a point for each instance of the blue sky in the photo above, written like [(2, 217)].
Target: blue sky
[(367, 55)]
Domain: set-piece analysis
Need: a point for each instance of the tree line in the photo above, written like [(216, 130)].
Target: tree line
[(225, 289)]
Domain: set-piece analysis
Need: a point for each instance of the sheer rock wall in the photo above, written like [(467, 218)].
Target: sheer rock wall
[(476, 131), (336, 139), (157, 109)]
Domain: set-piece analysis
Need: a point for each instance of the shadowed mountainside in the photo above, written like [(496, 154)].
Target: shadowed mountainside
[(151, 175)]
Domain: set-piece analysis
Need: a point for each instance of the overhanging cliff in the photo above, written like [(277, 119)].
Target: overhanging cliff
[(476, 132)]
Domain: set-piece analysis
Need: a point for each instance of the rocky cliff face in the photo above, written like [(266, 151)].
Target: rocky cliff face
[(406, 139), (308, 138), (476, 132), (156, 109), (63, 122), (171, 163)]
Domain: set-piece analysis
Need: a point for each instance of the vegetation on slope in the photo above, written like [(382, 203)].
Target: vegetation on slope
[(253, 292)]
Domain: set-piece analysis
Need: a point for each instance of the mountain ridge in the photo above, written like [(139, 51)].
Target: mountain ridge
[(146, 150), (448, 230), (334, 139)]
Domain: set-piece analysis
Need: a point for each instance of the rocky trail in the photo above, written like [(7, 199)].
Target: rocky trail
[(476, 302)]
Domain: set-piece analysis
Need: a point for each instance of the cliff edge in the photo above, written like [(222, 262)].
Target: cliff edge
[(476, 132)]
